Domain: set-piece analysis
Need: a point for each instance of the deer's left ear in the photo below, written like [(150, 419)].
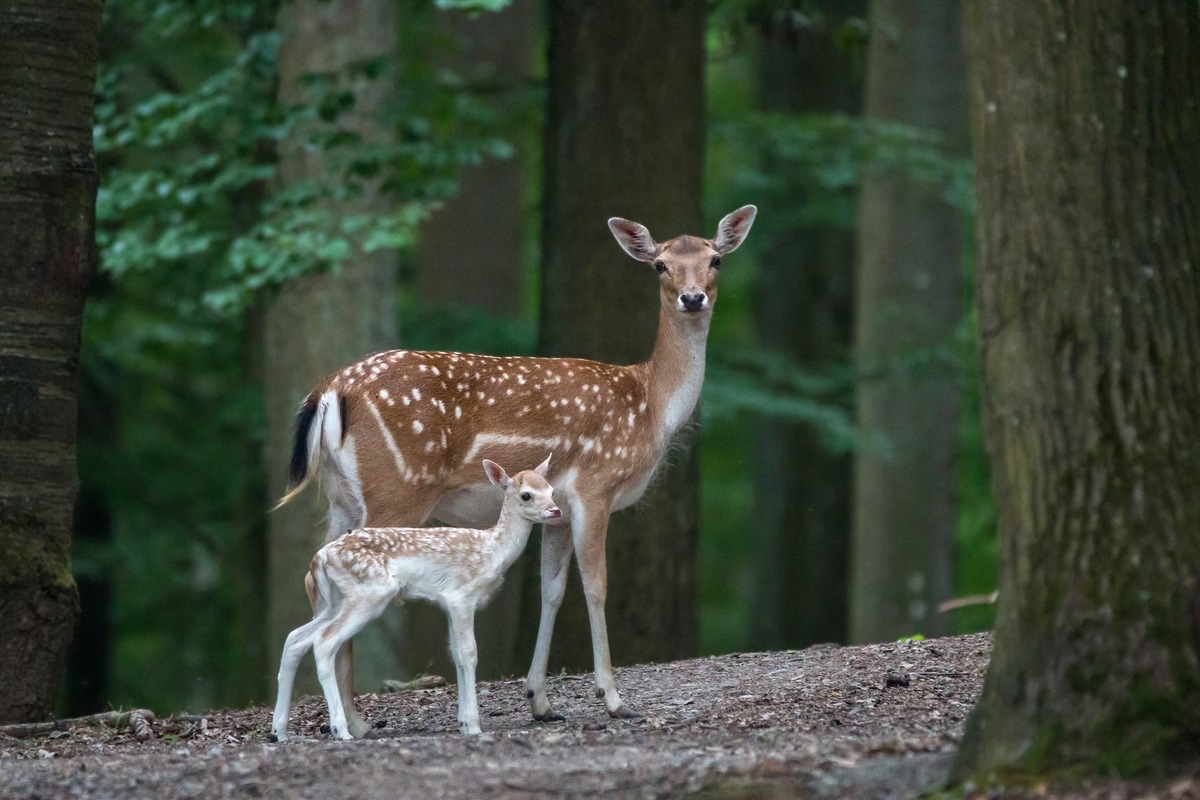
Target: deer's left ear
[(634, 239), (496, 473), (544, 467), (732, 230)]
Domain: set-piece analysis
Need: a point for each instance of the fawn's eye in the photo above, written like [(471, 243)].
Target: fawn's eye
[(526, 496), (716, 262), (660, 267)]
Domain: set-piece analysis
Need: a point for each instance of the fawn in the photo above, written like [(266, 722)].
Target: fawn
[(358, 575)]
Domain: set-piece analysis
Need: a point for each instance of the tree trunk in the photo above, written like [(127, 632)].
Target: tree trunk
[(803, 306), (908, 288), (472, 251), (472, 254), (322, 322), (624, 137), (48, 56), (1088, 180)]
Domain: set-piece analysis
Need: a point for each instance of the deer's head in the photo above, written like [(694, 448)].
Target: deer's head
[(687, 266)]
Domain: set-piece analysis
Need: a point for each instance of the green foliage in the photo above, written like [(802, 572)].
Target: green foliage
[(195, 228)]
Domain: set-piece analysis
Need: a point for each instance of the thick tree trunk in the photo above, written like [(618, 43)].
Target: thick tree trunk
[(48, 56), (323, 322), (1087, 158), (909, 299), (803, 307), (624, 137)]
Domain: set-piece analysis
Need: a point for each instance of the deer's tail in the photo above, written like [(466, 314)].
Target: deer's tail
[(321, 416)]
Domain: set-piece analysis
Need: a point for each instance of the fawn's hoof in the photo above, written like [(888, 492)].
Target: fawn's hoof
[(550, 716)]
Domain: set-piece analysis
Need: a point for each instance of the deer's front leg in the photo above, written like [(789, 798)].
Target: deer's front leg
[(590, 533), (556, 560)]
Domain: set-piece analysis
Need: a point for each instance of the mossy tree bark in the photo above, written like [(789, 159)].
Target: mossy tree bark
[(803, 306), (322, 322), (1085, 121), (909, 285), (624, 137), (48, 57)]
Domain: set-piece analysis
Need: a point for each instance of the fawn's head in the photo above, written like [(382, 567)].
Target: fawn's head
[(530, 494), (687, 266)]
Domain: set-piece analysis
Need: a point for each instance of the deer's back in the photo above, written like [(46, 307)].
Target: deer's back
[(421, 422)]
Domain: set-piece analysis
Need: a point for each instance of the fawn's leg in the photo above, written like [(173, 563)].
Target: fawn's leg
[(418, 505), (556, 560), (353, 616), (466, 658), (590, 532), (297, 644)]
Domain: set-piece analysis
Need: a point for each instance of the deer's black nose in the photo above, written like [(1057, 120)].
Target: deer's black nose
[(692, 302)]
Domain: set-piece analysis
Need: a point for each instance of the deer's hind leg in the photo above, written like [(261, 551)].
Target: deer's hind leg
[(353, 615)]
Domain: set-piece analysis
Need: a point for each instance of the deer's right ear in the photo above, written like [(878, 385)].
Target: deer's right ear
[(634, 239), (496, 473)]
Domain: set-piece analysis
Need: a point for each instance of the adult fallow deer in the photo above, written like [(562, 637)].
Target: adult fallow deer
[(397, 438)]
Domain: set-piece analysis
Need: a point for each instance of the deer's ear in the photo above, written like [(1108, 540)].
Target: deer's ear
[(496, 473), (544, 467), (634, 239), (732, 230)]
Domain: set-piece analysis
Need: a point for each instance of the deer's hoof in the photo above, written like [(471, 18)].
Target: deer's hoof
[(550, 716), (624, 712)]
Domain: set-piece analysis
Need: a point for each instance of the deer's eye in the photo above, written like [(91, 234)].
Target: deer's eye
[(716, 262), (660, 267), (526, 496)]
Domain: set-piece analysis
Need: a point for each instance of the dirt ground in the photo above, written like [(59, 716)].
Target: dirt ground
[(863, 722)]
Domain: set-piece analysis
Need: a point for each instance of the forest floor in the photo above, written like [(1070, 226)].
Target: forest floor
[(877, 721)]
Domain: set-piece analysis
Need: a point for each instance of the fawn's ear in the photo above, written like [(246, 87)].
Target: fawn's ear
[(634, 239), (732, 229), (543, 468), (496, 473)]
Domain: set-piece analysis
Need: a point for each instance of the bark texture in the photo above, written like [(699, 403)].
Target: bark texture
[(48, 56), (624, 137), (803, 306), (322, 322), (908, 301), (1085, 120)]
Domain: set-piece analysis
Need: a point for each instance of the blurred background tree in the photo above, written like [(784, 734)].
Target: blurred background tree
[(908, 306), (441, 158)]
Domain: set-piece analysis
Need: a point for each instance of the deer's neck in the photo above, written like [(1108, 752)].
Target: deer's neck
[(675, 371), (509, 534)]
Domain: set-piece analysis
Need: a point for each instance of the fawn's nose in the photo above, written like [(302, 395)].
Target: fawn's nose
[(553, 512), (693, 301)]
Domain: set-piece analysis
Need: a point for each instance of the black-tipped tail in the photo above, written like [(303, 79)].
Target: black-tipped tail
[(298, 469)]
